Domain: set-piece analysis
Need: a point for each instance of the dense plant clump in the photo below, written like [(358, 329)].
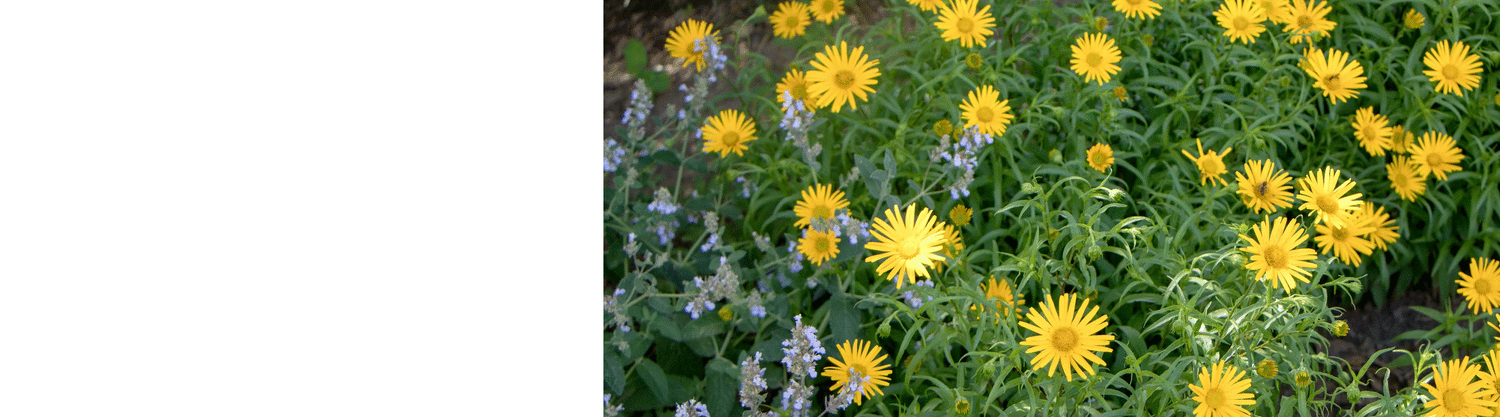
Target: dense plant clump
[(1183, 190)]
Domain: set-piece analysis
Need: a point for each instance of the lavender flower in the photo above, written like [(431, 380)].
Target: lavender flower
[(755, 302), (963, 155), (611, 410), (752, 382), (914, 299), (663, 203), (691, 408), (803, 350), (846, 394), (795, 397), (613, 307), (614, 155)]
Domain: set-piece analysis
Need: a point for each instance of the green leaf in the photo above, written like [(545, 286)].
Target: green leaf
[(844, 319), (723, 387), (635, 57), (655, 379), (614, 374)]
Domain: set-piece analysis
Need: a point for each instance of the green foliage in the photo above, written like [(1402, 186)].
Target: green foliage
[(1157, 249)]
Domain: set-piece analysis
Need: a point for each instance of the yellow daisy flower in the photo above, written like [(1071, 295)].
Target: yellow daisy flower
[(1405, 179), (1455, 392), (840, 75), (1347, 242), (1120, 93), (1094, 57), (827, 10), (1137, 9), (680, 41), (790, 20), (1276, 11), (1066, 336), (1262, 187), (974, 60), (1436, 154), (1401, 139), (1276, 253), (1322, 194), (1241, 20), (1452, 67), (953, 244), (1382, 230), (1481, 286), (1414, 20), (1004, 295), (926, 5), (794, 81), (1372, 131), (1101, 157), (862, 359), (818, 246), (1305, 19), (1267, 369), (908, 245), (963, 23), (1210, 164), (942, 127), (960, 215), (1223, 392), (984, 109), (820, 201), (1338, 76), (1491, 378), (727, 133)]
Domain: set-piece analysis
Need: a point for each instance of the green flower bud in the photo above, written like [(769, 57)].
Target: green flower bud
[(1340, 328), (961, 406), (1302, 379), (1267, 369)]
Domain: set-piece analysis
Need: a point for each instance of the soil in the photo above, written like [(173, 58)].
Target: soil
[(650, 21)]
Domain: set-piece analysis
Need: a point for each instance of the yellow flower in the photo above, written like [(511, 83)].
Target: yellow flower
[(1264, 188), (1455, 392), (818, 246), (1338, 76), (960, 215), (908, 245), (985, 110), (942, 127), (1302, 379), (820, 201), (1481, 286), (1276, 252), (680, 41), (1322, 194), (1210, 164), (1101, 157), (1401, 139), (1066, 336), (1277, 11), (1148, 40), (1138, 9), (1414, 20), (1382, 230), (1491, 378), (1436, 154), (926, 5), (861, 360), (1340, 328), (1347, 241), (839, 75), (725, 314), (1372, 131), (790, 20), (1304, 20), (953, 244), (1267, 369), (1452, 67), (727, 133), (1223, 392), (1405, 179), (963, 23), (827, 10), (1004, 295), (1120, 93), (794, 81), (1094, 57), (1241, 20)]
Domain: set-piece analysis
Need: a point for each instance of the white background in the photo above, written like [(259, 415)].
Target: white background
[(299, 208)]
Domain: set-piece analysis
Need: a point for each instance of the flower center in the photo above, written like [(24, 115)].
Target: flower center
[(822, 245), (1213, 167), (1339, 234), (828, 6), (792, 21), (1372, 133), (1097, 159), (909, 248), (1093, 59), (823, 211), (1453, 399), (1332, 83), (1434, 160), (1304, 21), (1241, 23), (1483, 286), (1263, 188), (1064, 339), (964, 25), (984, 114), (1214, 398), (1275, 257), (844, 79), (1327, 204), (1450, 71), (799, 91), (729, 139)]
